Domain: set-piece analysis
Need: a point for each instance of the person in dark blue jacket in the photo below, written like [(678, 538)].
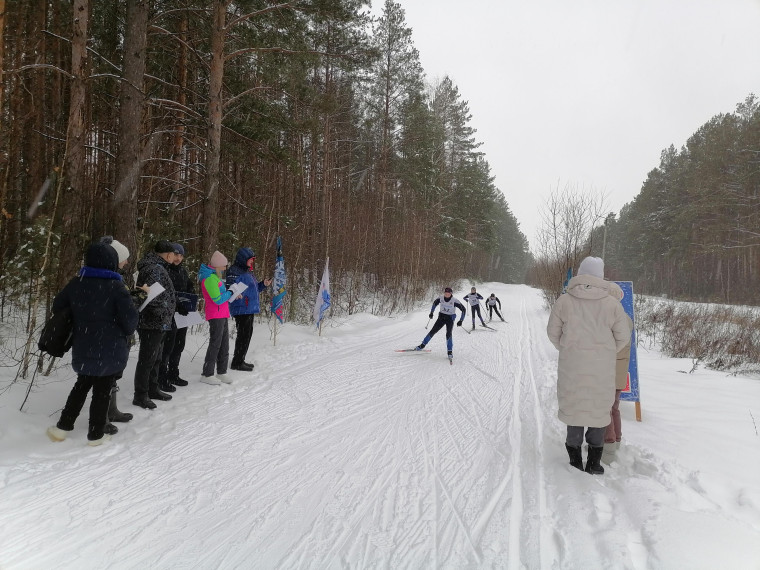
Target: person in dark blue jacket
[(245, 308), (104, 316)]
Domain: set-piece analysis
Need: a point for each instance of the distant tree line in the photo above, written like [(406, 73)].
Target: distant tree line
[(693, 231), (219, 123)]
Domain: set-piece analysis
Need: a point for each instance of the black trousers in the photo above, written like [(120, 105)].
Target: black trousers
[(476, 309), (148, 361), (244, 326), (441, 321), (101, 397), (491, 309), (170, 338), (176, 355)]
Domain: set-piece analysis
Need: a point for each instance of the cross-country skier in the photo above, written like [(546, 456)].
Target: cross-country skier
[(473, 297), (446, 316), (491, 304)]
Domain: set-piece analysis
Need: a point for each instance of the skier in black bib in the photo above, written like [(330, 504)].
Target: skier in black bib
[(446, 315), (491, 304), (473, 297)]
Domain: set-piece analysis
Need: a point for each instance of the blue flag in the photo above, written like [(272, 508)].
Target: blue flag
[(567, 280), (323, 296), (279, 283)]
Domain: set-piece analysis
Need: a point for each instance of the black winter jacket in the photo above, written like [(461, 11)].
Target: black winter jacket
[(159, 313), (103, 312), (182, 284)]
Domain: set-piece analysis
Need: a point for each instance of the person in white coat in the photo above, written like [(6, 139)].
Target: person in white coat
[(588, 327)]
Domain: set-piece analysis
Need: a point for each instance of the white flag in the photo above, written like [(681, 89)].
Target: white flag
[(323, 297)]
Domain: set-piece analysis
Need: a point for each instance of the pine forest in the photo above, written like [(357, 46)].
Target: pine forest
[(219, 124)]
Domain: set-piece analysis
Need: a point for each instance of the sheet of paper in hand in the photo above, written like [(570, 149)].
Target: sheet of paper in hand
[(155, 290), (192, 318), (237, 288)]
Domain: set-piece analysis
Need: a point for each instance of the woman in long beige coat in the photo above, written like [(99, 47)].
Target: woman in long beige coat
[(588, 327)]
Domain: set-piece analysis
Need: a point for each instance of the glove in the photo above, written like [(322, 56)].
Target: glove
[(430, 316), (459, 323)]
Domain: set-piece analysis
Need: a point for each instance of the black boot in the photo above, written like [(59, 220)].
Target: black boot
[(110, 429), (114, 415), (177, 381), (157, 394), (576, 459), (593, 464), (167, 386), (143, 401)]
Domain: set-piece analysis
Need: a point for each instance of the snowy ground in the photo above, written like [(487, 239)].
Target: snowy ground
[(339, 453)]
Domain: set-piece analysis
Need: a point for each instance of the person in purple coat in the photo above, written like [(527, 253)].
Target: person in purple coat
[(245, 308)]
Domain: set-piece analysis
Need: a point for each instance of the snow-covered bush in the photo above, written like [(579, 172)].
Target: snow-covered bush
[(723, 337)]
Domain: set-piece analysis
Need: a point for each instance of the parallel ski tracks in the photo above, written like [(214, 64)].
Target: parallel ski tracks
[(350, 456)]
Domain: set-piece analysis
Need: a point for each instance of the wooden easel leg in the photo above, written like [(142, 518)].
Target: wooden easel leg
[(638, 411)]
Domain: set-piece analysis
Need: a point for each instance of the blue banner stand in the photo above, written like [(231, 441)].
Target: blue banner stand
[(631, 392)]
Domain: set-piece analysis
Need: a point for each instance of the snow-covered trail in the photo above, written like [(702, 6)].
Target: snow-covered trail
[(340, 453)]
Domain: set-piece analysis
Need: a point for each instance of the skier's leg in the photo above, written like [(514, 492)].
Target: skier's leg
[(438, 325), (449, 335), (480, 316)]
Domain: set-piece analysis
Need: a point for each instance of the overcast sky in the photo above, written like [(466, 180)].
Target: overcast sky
[(586, 92)]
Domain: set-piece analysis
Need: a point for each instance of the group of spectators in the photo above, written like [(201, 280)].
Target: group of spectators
[(106, 315)]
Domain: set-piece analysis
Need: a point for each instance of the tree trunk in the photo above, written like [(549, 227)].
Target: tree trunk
[(213, 150), (131, 107), (76, 138), (179, 136), (2, 57)]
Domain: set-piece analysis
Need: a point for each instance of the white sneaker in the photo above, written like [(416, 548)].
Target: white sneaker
[(56, 434), (102, 440), (213, 380), (224, 378)]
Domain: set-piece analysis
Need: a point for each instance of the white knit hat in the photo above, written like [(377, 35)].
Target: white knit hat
[(121, 249), (218, 261), (592, 266)]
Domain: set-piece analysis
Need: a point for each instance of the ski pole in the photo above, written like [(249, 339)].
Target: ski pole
[(426, 324)]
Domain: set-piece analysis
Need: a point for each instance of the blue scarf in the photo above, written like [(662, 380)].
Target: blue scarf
[(98, 273)]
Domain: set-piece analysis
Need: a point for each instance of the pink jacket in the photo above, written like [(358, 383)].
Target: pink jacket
[(212, 309)]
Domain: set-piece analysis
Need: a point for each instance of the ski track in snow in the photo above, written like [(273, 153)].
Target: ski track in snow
[(339, 453)]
